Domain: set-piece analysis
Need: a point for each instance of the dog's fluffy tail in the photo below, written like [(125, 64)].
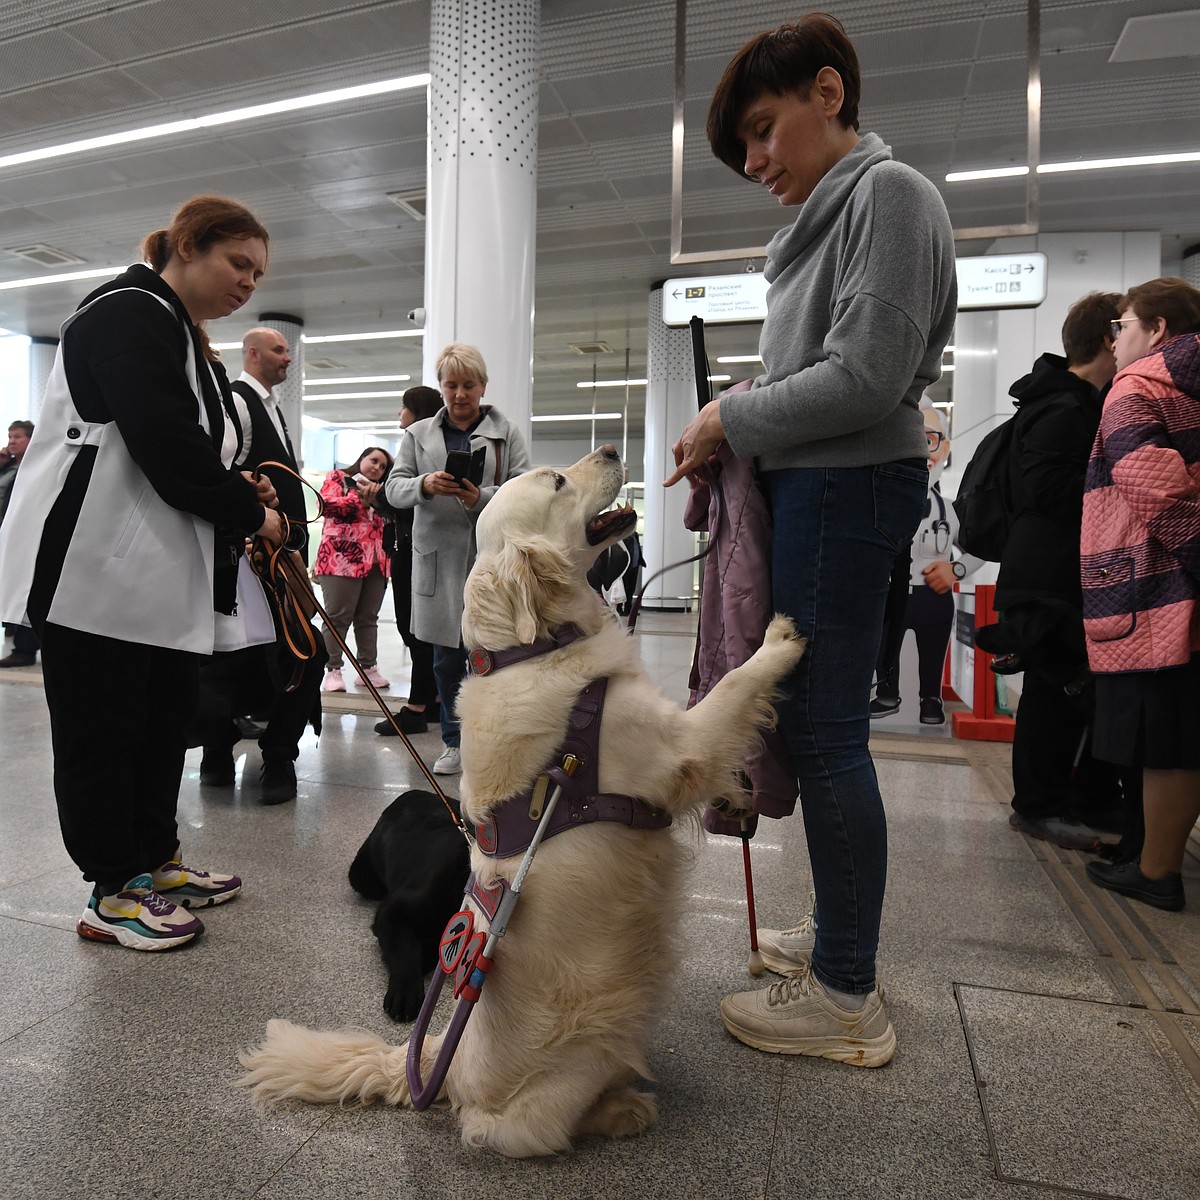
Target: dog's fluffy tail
[(346, 1066)]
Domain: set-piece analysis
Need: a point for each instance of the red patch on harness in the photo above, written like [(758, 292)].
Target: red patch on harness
[(485, 835), (455, 939), (480, 661), (466, 968)]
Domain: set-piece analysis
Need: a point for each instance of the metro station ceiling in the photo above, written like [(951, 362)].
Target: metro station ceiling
[(944, 84)]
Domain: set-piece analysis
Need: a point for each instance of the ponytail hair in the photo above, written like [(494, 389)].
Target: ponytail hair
[(195, 229)]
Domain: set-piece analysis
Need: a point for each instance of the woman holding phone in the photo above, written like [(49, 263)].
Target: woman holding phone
[(352, 566), (447, 504)]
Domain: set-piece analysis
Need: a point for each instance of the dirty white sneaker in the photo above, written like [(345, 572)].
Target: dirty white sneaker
[(798, 1015), (786, 950), (449, 762)]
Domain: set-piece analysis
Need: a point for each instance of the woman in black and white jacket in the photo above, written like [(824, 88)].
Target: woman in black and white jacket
[(120, 548)]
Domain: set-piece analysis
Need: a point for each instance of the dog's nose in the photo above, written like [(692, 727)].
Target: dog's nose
[(609, 450)]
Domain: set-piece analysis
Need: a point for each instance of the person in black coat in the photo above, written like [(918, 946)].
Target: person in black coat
[(417, 403), (1058, 786), (255, 680)]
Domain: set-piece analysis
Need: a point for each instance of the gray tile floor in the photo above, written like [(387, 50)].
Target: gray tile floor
[(1049, 1033)]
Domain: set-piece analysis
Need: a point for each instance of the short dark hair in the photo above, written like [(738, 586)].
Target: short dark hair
[(25, 425), (1169, 297), (422, 401), (1089, 326), (352, 469), (779, 62)]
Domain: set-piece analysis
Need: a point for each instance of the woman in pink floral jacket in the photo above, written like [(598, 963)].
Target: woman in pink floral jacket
[(1140, 564), (352, 565)]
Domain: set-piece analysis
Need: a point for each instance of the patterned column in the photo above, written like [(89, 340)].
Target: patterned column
[(481, 209), (289, 395), (41, 358), (670, 404)]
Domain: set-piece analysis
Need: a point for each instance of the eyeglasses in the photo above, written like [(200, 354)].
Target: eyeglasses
[(933, 440), (1115, 326)]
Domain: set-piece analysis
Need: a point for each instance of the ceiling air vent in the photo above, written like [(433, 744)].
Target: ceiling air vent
[(589, 348), (46, 256), (412, 203), (324, 364)]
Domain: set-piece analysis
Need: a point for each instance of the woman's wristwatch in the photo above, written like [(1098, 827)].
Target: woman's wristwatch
[(959, 568)]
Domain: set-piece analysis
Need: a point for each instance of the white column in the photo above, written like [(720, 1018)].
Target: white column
[(671, 403), (41, 358), (289, 395), (481, 209)]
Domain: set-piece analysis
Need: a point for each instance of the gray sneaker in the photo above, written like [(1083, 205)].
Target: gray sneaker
[(798, 1016), (786, 950), (449, 762)]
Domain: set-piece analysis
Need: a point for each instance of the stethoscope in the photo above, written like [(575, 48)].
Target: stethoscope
[(939, 534)]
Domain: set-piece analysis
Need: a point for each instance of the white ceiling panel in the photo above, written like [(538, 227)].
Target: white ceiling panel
[(944, 84)]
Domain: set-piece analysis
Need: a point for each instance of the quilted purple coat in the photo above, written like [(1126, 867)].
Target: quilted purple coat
[(736, 609), (1140, 544)]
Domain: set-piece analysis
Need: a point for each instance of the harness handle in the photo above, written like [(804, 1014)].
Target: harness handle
[(424, 1092)]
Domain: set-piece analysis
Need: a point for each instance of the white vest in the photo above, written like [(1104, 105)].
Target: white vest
[(136, 569)]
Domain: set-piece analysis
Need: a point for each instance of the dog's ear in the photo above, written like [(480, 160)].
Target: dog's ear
[(526, 585)]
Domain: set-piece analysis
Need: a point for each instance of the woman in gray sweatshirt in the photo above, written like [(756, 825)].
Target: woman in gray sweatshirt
[(860, 305)]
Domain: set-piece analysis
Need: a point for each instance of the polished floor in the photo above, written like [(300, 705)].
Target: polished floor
[(1049, 1033)]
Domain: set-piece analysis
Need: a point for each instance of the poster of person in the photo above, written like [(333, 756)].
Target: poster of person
[(906, 692)]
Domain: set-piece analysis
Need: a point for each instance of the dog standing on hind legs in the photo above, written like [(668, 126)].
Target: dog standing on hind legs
[(559, 1035)]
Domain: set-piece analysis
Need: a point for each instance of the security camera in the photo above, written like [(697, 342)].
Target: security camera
[(417, 317)]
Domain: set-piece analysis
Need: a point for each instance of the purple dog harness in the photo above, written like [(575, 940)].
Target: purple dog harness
[(517, 825)]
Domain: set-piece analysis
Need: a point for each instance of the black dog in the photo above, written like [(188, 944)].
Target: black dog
[(416, 863)]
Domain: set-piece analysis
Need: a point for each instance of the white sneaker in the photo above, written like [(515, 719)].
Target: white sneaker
[(333, 681), (798, 1015), (373, 677), (449, 762), (786, 950)]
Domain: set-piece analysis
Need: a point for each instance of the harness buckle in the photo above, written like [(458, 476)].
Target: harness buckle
[(538, 801)]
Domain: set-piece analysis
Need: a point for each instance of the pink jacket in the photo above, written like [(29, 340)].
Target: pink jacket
[(1140, 542), (352, 537)]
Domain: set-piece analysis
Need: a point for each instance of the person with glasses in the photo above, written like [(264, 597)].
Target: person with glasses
[(1061, 794), (923, 581), (1140, 573)]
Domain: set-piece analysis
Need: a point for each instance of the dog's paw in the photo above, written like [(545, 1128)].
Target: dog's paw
[(782, 629), (404, 999), (622, 1112)]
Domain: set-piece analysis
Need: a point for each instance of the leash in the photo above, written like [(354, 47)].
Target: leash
[(465, 953), (290, 592)]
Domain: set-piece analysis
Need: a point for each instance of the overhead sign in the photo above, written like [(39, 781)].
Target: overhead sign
[(1001, 281), (718, 299)]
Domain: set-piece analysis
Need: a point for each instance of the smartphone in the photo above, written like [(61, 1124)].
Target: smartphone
[(458, 464), (466, 464)]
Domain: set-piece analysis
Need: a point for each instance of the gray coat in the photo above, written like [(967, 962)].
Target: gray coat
[(443, 529)]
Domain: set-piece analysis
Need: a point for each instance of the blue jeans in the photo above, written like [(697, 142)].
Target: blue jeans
[(836, 534), (449, 669)]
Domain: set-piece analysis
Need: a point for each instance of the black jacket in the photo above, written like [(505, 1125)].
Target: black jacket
[(1057, 417)]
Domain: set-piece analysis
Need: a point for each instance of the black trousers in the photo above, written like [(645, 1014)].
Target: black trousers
[(119, 713), (931, 618), (254, 680), (422, 687)]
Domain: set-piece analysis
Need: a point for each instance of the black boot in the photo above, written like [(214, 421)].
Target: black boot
[(216, 767)]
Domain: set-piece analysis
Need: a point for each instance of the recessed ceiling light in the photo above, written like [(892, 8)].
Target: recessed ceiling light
[(355, 379), (608, 416), (1082, 164), (353, 395), (68, 277)]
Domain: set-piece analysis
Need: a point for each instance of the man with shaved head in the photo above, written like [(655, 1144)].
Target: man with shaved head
[(230, 682)]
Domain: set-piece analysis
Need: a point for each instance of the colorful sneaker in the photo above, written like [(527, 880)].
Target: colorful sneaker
[(333, 681), (137, 917), (786, 950), (798, 1015), (191, 888), (374, 678)]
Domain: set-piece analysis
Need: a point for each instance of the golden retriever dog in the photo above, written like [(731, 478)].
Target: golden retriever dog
[(558, 1038)]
